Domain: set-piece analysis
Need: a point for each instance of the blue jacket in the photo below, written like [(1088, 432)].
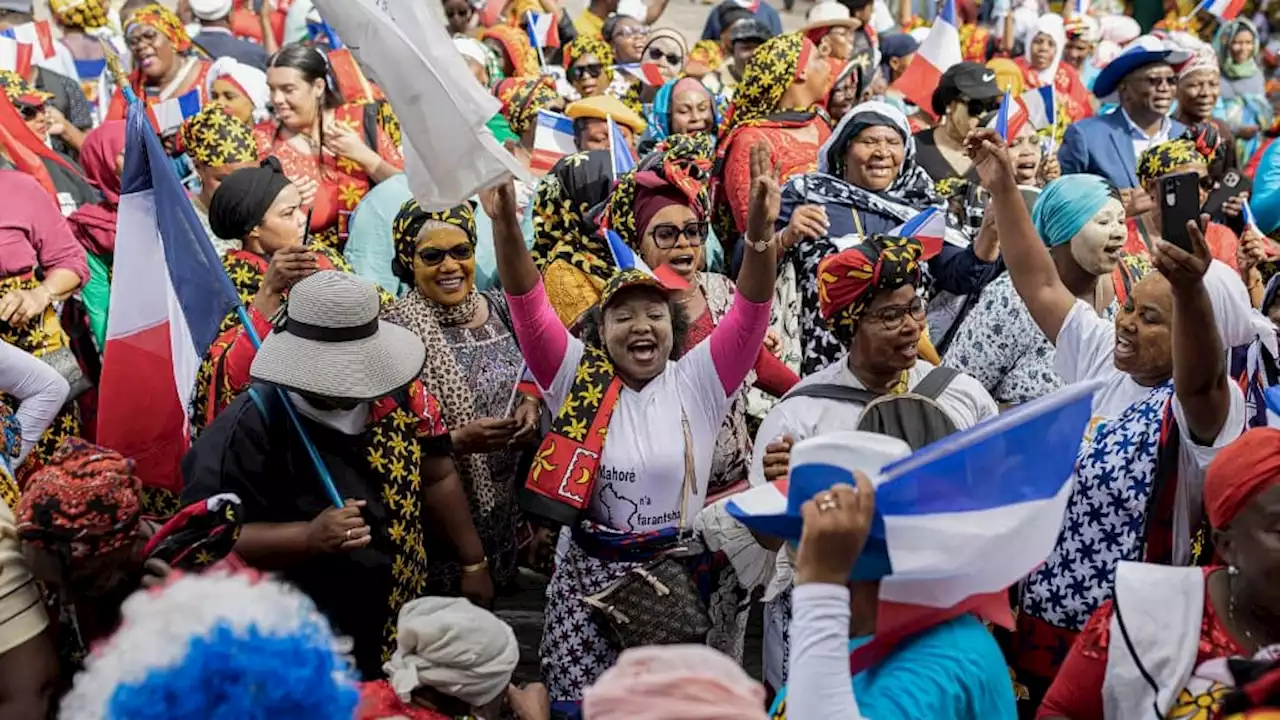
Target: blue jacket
[(223, 44), (1103, 145), (765, 13)]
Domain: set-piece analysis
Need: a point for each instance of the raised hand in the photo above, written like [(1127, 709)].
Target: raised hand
[(836, 525), (766, 195), (990, 158), (1183, 269)]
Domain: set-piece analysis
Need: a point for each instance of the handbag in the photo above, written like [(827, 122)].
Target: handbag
[(60, 357), (656, 603)]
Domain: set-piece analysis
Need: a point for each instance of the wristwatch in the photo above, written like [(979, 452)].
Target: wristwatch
[(761, 245)]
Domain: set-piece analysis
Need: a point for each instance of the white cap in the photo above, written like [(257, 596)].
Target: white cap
[(634, 9), (211, 9)]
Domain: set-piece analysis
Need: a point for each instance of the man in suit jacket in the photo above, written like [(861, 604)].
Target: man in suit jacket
[(217, 39), (1143, 82)]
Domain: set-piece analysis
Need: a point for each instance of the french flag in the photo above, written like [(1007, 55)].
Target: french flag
[(37, 35), (1222, 9), (552, 140), (15, 56), (543, 30), (170, 114), (623, 161), (929, 226), (939, 51), (1041, 107), (996, 490), (646, 72), (169, 294)]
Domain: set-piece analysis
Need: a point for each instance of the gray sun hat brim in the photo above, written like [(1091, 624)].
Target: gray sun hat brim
[(365, 369)]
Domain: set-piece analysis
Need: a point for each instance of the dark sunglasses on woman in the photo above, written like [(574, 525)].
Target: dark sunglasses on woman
[(667, 235), (31, 112), (674, 60), (978, 108), (580, 72), (434, 256)]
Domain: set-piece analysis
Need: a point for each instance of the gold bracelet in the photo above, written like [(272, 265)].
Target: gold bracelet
[(476, 567)]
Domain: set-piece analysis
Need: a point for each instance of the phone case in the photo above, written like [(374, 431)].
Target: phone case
[(1179, 205)]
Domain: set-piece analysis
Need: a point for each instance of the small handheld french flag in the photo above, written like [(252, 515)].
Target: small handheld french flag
[(1002, 117), (543, 30), (552, 140), (929, 226), (37, 35), (619, 151), (170, 114), (15, 56), (1222, 9), (646, 72)]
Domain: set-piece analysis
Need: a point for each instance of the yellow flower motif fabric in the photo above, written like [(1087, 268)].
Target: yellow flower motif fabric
[(1160, 160), (408, 223), (18, 90), (770, 71), (214, 138)]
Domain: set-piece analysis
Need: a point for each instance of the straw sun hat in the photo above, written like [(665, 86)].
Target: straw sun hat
[(332, 344)]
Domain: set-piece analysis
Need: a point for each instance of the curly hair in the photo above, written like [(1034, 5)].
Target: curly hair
[(589, 324)]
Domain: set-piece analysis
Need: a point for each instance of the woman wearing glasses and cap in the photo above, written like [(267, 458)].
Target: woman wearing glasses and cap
[(353, 383), (966, 92)]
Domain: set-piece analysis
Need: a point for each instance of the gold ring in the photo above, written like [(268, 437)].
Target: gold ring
[(827, 502), (348, 533)]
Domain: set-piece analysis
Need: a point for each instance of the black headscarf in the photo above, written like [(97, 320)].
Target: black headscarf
[(244, 198)]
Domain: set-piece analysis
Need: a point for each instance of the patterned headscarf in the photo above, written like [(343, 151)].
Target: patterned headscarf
[(214, 138), (660, 117), (773, 67), (585, 45), (562, 206), (522, 98), (483, 54), (973, 43), (1222, 39), (681, 161), (524, 59), (80, 14), (86, 501), (848, 280), (166, 22), (912, 186), (200, 535), (706, 53), (19, 90), (1159, 160), (408, 224)]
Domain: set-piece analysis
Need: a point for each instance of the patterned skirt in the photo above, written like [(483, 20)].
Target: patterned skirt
[(574, 650)]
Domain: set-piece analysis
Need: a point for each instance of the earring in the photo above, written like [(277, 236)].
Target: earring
[(1233, 570)]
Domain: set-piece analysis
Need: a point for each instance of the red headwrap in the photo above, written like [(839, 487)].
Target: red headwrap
[(1240, 472)]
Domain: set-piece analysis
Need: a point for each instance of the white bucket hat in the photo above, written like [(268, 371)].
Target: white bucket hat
[(332, 344)]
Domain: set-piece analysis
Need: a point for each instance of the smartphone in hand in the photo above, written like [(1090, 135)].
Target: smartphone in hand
[(1179, 204)]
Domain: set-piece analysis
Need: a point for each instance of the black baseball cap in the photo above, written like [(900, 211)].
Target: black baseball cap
[(965, 79), (750, 30)]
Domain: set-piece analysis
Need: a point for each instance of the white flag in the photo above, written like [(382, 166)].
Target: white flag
[(449, 152)]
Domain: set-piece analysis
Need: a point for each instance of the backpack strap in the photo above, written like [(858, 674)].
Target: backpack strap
[(256, 396), (842, 393), (935, 383)]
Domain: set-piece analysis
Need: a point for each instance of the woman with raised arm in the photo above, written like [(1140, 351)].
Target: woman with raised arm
[(625, 503), (1165, 408)]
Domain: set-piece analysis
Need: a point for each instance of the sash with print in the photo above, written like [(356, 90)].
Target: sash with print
[(563, 474)]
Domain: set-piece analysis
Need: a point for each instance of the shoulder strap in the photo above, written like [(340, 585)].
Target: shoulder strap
[(256, 396), (935, 383), (842, 393)]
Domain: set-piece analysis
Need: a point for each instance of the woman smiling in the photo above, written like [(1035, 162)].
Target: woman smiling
[(472, 365), (167, 64), (620, 394)]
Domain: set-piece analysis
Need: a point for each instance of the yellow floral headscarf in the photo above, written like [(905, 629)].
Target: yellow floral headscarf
[(524, 59), (706, 53), (772, 69), (214, 138), (80, 14), (522, 98), (18, 90), (681, 161), (166, 22), (583, 46), (1160, 160), (408, 224)]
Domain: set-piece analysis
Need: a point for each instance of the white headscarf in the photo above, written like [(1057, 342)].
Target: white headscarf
[(1051, 25), (251, 80), (457, 648)]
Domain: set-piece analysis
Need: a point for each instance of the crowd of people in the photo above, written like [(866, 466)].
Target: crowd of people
[(762, 244)]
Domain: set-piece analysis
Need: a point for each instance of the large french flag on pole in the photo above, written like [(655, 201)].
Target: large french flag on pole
[(1222, 9), (996, 490), (939, 51), (169, 294)]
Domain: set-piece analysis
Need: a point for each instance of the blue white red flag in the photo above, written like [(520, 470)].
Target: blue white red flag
[(1002, 117), (929, 226), (998, 489), (939, 51), (646, 72), (36, 34), (15, 56), (1041, 107), (623, 160), (543, 30), (1222, 9), (169, 294), (552, 140), (170, 114)]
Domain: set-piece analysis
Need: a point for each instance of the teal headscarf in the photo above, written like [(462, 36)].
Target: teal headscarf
[(1066, 204), (660, 117), (1222, 45)]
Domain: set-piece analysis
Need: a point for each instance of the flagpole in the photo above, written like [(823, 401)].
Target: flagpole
[(533, 37), (113, 62), (613, 160)]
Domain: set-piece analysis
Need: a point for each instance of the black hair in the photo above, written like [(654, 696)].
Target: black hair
[(312, 64), (855, 6), (588, 326)]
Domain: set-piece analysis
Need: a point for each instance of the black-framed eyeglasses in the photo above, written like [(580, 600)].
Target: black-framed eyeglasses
[(581, 72), (667, 235), (891, 317), (1158, 80), (434, 256), (673, 59)]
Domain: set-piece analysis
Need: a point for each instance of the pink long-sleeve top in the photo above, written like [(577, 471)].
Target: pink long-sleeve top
[(33, 233), (640, 480)]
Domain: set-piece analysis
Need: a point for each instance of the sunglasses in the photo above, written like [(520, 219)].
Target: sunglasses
[(31, 112), (1160, 80), (458, 12), (978, 108), (631, 31), (667, 235), (673, 59), (434, 256), (891, 317), (581, 72)]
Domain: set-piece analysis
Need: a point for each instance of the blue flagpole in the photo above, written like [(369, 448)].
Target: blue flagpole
[(321, 469)]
